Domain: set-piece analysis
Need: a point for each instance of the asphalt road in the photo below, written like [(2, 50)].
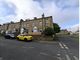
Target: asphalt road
[(65, 48)]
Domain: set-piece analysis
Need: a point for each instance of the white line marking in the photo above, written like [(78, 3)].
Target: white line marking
[(75, 58), (58, 54), (65, 46), (61, 45), (67, 57)]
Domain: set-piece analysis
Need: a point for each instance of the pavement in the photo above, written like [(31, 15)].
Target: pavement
[(66, 48)]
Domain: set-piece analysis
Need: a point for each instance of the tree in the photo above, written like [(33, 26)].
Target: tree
[(48, 31), (12, 22), (56, 28)]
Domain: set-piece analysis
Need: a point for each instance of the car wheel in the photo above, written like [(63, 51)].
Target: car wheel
[(25, 39), (7, 37), (17, 38)]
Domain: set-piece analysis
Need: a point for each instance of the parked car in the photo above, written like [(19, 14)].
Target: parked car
[(9, 35), (24, 37)]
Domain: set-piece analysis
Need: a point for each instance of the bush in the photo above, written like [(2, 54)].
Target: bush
[(56, 27), (48, 31)]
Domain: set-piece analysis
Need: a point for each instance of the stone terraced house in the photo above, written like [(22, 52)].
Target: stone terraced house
[(30, 26)]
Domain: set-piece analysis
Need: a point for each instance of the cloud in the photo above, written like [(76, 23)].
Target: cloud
[(57, 11), (64, 12), (27, 8), (74, 28), (6, 9), (23, 9)]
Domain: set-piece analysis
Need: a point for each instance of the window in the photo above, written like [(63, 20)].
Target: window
[(33, 24), (40, 23), (47, 22), (27, 25), (24, 25)]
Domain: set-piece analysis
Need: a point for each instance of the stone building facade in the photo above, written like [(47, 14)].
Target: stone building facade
[(33, 25)]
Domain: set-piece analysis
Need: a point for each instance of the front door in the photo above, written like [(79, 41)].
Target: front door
[(35, 29)]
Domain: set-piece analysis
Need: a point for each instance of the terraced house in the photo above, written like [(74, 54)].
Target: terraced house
[(29, 26)]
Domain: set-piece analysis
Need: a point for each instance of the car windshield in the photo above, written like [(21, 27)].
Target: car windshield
[(23, 35), (10, 32)]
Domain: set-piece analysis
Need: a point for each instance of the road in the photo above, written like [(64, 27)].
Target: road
[(70, 47), (65, 48)]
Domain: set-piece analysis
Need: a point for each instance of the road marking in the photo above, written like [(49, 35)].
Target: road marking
[(42, 53), (0, 58), (61, 45), (67, 57), (58, 54), (65, 46), (75, 58)]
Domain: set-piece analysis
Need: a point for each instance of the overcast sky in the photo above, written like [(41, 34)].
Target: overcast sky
[(64, 12)]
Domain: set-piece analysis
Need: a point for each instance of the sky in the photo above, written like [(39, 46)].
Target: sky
[(64, 12)]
